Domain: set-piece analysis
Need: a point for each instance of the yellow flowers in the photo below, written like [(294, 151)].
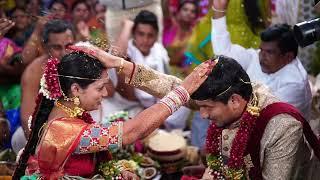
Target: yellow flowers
[(127, 165)]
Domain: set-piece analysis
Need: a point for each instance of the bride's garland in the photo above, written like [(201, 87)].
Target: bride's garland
[(235, 167)]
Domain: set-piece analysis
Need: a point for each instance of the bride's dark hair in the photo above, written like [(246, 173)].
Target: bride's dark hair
[(76, 64)]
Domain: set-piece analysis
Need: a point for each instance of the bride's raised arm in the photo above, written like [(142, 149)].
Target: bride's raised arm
[(139, 76)]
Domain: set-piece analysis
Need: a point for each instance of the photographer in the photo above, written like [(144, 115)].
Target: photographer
[(292, 12)]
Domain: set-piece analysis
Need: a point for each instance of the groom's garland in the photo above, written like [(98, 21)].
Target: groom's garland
[(235, 167)]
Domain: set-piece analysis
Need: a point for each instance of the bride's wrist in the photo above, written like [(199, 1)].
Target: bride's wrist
[(175, 99), (112, 62), (120, 65)]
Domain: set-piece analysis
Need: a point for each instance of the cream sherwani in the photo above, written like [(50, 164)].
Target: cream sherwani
[(282, 147), (283, 150)]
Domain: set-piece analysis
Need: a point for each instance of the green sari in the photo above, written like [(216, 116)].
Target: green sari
[(199, 46)]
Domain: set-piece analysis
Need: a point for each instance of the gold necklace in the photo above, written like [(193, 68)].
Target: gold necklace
[(75, 112)]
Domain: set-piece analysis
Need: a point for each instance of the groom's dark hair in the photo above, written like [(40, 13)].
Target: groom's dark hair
[(226, 78)]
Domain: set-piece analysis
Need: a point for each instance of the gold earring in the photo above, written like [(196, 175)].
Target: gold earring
[(76, 101), (77, 110)]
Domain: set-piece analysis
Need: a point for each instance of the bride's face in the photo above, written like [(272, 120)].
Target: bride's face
[(91, 97)]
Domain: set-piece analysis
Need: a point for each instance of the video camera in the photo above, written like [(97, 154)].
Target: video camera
[(308, 32)]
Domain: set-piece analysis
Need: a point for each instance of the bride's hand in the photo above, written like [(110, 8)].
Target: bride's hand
[(109, 60), (194, 80)]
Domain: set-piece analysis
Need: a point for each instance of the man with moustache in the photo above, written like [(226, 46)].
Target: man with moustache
[(252, 135), (274, 64)]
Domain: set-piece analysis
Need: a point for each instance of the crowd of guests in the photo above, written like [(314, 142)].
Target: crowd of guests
[(169, 36)]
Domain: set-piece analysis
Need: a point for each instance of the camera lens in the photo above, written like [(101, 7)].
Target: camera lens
[(307, 32)]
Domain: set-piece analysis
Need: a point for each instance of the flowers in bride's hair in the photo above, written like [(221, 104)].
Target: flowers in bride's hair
[(29, 122), (43, 88), (49, 83)]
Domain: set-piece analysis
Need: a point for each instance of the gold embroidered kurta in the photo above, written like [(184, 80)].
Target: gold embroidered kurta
[(282, 146)]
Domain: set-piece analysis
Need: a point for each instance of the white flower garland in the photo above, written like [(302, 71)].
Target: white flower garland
[(29, 122), (43, 88)]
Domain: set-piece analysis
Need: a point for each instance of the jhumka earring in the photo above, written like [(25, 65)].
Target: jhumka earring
[(76, 101), (77, 110)]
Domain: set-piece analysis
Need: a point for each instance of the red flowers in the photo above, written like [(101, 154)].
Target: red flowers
[(239, 144), (51, 78), (86, 117)]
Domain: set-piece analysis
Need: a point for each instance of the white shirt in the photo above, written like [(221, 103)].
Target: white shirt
[(157, 59), (290, 83)]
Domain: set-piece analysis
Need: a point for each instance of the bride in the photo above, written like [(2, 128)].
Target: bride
[(64, 141)]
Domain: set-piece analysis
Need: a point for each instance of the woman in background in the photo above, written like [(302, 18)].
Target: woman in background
[(245, 19), (177, 31)]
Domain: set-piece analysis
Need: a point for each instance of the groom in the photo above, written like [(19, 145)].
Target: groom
[(252, 133)]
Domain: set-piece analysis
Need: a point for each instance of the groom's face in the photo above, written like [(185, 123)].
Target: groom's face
[(221, 114)]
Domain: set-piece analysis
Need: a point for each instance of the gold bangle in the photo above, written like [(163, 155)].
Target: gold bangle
[(121, 66)]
